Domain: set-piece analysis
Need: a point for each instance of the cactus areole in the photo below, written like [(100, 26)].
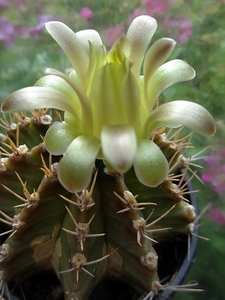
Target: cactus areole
[(92, 187)]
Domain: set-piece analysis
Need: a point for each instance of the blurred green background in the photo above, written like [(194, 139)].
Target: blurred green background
[(198, 27)]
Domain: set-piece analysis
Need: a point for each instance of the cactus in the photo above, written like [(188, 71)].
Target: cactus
[(89, 193)]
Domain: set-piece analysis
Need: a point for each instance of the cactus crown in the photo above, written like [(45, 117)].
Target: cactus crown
[(107, 162), (109, 105)]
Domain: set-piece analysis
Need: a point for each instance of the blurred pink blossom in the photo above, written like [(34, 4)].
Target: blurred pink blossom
[(114, 32), (207, 177), (217, 216), (137, 12), (20, 3), (34, 31), (4, 4), (180, 29), (185, 29), (155, 7), (216, 179), (86, 13), (7, 31), (215, 173)]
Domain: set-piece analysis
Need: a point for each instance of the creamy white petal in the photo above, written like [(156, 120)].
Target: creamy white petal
[(58, 138), (86, 115), (171, 72), (36, 97), (139, 36), (76, 167), (176, 113), (60, 84), (119, 146), (150, 164), (71, 45), (90, 36), (155, 57)]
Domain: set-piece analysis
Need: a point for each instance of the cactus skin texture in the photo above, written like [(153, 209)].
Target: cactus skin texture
[(109, 229)]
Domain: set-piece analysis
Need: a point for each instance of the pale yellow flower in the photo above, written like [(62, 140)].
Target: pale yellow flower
[(109, 105)]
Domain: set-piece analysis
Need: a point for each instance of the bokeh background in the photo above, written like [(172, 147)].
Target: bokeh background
[(198, 26)]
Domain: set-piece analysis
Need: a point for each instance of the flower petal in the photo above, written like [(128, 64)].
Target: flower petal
[(36, 97), (120, 50), (150, 164), (131, 98), (180, 112), (106, 96), (139, 36), (171, 72), (76, 167), (90, 36), (155, 57), (58, 138), (59, 84), (71, 45), (119, 146), (87, 117)]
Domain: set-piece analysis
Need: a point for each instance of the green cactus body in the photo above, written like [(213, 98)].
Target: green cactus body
[(104, 231)]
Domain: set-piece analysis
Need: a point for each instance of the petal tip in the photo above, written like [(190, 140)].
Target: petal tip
[(150, 165), (119, 145)]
